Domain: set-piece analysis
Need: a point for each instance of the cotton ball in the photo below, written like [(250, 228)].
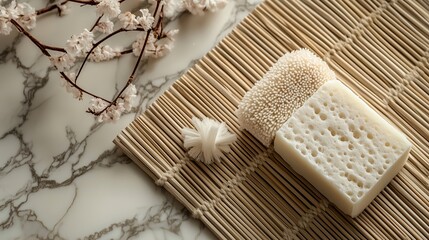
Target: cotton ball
[(209, 141)]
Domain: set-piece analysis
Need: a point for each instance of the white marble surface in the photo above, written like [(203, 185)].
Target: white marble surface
[(61, 177)]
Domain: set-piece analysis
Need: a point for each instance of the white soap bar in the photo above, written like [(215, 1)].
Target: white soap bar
[(342, 147)]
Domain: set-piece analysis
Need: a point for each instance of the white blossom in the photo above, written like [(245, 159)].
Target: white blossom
[(62, 62), (80, 44), (129, 93), (109, 8), (97, 105), (26, 15), (11, 10), (146, 20), (170, 34), (215, 5), (172, 8), (105, 112), (69, 87), (23, 13), (162, 46), (5, 24), (198, 7), (128, 20), (104, 26), (208, 141), (139, 43), (114, 111), (104, 53), (126, 101), (195, 7), (161, 50), (155, 47)]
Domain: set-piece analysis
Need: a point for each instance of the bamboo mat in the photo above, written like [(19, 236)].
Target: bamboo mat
[(380, 49)]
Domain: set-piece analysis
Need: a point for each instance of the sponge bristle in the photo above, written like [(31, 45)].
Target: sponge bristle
[(284, 88)]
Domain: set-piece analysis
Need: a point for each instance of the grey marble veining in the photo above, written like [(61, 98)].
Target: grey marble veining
[(60, 175)]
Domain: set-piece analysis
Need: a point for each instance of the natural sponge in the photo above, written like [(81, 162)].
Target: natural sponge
[(284, 88), (342, 147)]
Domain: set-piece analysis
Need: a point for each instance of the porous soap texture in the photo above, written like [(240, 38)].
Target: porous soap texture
[(342, 147), (284, 88)]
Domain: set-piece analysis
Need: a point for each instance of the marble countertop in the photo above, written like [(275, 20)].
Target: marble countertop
[(61, 177)]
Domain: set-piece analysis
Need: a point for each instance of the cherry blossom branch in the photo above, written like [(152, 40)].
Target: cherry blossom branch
[(152, 42), (132, 76)]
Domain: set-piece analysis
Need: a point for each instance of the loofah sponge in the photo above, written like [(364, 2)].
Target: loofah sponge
[(284, 88)]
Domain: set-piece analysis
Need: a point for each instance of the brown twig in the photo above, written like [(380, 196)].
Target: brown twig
[(157, 29), (126, 51), (58, 49)]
